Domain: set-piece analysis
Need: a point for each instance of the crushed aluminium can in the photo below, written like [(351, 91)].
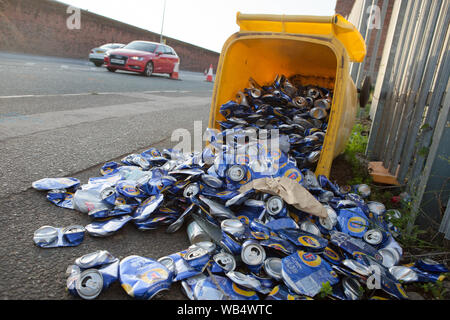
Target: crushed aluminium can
[(375, 237), (224, 261), (48, 184), (95, 259), (413, 274), (51, 237), (429, 265), (196, 233), (108, 227), (353, 222), (143, 278), (305, 272), (355, 247), (247, 281), (148, 207), (61, 198), (305, 240), (388, 282), (87, 284), (275, 207), (282, 292), (206, 289), (253, 255), (272, 266), (197, 257)]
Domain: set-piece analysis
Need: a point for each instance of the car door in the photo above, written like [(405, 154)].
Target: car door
[(172, 59), (159, 63)]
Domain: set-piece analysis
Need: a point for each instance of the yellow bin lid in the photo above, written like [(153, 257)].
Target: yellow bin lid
[(333, 26)]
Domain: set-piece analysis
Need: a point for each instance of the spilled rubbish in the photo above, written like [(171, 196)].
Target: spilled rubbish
[(260, 223)]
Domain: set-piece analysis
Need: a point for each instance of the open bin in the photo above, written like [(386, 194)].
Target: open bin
[(319, 49)]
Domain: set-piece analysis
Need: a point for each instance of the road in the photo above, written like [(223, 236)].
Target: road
[(64, 117)]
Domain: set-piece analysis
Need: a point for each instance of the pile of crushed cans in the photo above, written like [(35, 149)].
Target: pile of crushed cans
[(247, 243), (299, 114)]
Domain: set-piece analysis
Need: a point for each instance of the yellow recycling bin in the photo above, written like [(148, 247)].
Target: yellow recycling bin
[(319, 49)]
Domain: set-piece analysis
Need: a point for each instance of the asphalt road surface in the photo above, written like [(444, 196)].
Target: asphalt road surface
[(63, 117)]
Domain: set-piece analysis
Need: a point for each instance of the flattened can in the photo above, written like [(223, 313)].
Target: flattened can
[(143, 278), (305, 272), (429, 265), (94, 259)]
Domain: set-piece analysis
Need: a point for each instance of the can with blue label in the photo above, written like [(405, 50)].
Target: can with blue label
[(143, 278), (305, 273)]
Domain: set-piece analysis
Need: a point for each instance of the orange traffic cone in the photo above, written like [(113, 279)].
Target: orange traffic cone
[(174, 74), (209, 76)]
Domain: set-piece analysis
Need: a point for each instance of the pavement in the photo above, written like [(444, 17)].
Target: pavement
[(65, 117)]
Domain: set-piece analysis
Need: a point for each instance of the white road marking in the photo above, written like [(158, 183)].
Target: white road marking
[(87, 94)]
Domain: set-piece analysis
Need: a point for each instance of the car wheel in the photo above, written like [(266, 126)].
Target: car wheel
[(111, 69), (148, 69), (98, 64)]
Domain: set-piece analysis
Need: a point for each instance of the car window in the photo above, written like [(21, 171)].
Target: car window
[(106, 46), (141, 46), (167, 50)]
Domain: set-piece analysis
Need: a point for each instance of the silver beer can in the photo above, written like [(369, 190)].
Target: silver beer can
[(225, 260), (89, 284), (253, 254), (273, 266), (310, 227), (373, 237), (233, 226), (196, 233), (274, 205)]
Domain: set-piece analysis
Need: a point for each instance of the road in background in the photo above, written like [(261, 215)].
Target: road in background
[(35, 75), (63, 117)]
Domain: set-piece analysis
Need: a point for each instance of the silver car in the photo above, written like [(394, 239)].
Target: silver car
[(97, 55)]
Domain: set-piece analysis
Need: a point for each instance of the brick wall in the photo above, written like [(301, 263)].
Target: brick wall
[(344, 7), (39, 27)]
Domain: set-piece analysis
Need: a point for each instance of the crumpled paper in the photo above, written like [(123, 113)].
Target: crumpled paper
[(290, 191)]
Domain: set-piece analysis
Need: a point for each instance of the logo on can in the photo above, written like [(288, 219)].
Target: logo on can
[(308, 241), (154, 275), (330, 253), (356, 224), (293, 174), (310, 259)]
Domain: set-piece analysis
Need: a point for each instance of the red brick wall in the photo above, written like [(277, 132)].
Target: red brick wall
[(344, 7), (384, 31), (39, 27)]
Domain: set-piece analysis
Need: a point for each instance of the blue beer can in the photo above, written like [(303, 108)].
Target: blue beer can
[(143, 278)]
